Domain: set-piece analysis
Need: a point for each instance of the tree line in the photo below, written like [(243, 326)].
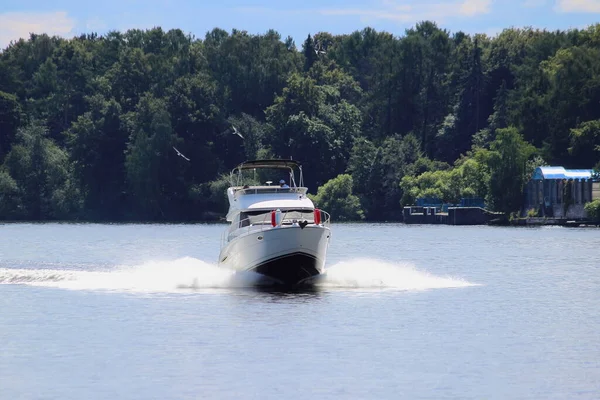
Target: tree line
[(88, 125)]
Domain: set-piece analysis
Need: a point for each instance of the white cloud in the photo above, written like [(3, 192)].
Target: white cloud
[(578, 6), (16, 25)]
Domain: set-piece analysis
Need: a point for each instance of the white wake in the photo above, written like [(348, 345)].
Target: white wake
[(372, 273), (156, 276), (189, 274)]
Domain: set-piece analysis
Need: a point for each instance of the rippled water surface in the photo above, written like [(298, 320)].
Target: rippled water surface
[(420, 312)]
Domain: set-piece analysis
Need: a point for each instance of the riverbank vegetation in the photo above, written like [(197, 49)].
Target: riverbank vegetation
[(88, 124), (593, 210)]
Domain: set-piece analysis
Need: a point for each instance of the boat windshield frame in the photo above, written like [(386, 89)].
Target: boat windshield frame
[(236, 175)]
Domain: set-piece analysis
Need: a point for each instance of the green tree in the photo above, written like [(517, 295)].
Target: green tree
[(251, 69), (592, 210), (469, 178), (97, 141), (498, 120), (10, 201), (585, 143), (151, 163), (43, 176), (509, 154), (10, 119), (74, 71), (197, 113), (337, 199), (431, 57), (470, 112), (574, 89), (310, 56), (129, 78), (364, 167), (381, 107), (314, 123)]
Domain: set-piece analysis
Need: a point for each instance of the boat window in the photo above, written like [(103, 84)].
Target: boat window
[(299, 215), (264, 217), (253, 218)]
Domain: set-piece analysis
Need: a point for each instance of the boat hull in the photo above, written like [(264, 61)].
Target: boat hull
[(287, 255)]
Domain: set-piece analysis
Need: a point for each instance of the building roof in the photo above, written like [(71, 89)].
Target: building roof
[(561, 173)]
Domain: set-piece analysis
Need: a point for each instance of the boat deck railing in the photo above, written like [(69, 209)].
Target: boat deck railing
[(268, 189), (248, 225)]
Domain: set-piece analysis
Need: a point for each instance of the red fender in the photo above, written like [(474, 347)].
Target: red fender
[(317, 216)]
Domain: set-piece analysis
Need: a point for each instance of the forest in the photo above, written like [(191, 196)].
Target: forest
[(88, 125)]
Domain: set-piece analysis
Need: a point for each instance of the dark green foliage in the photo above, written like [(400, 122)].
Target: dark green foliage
[(10, 201), (313, 121), (152, 165), (97, 141), (10, 119), (585, 143), (310, 53), (99, 116), (573, 76), (37, 180)]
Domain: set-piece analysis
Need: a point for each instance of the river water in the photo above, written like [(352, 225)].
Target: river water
[(92, 311)]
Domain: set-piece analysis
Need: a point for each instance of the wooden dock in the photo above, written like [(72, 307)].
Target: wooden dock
[(454, 216)]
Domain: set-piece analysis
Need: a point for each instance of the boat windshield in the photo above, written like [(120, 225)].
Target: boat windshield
[(264, 217), (276, 173)]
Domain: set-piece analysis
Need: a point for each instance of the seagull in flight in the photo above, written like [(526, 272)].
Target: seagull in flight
[(181, 155), (319, 49), (236, 132)]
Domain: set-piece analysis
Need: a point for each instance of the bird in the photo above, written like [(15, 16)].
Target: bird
[(236, 132), (181, 155), (319, 49)]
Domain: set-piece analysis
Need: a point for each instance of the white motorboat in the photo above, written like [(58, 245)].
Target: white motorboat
[(275, 230)]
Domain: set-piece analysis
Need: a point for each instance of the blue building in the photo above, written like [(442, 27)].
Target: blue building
[(561, 193)]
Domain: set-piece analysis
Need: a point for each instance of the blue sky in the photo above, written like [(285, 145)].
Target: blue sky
[(297, 19)]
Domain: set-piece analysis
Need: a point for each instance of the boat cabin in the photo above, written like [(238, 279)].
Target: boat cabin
[(248, 195), (254, 205)]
